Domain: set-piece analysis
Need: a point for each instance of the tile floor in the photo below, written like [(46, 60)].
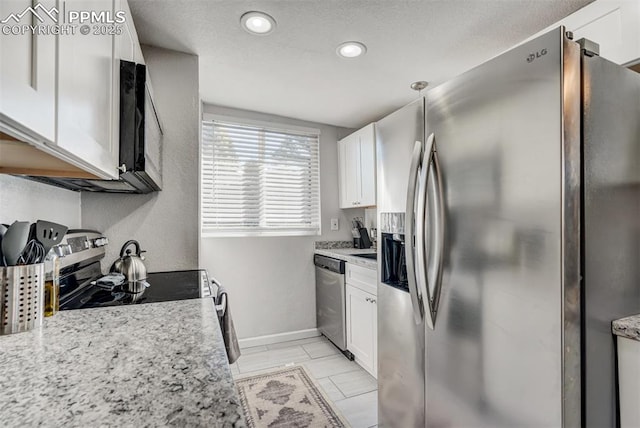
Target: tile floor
[(353, 391)]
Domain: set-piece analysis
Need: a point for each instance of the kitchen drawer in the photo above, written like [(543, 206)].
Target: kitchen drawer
[(363, 278)]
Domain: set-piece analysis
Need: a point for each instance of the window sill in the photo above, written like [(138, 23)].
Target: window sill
[(256, 234)]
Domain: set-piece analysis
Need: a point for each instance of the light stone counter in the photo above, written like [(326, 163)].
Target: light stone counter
[(628, 327), (158, 364), (347, 254)]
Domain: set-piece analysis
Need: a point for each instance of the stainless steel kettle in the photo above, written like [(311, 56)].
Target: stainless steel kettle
[(132, 266)]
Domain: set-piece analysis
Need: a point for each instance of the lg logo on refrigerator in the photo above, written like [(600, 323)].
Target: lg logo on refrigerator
[(533, 56)]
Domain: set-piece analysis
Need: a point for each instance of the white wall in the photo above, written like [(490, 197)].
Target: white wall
[(271, 280), (166, 222), (26, 200)]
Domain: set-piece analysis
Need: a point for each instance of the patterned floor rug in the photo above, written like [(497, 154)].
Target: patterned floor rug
[(286, 398)]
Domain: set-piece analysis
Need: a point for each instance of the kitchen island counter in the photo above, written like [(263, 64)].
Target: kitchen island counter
[(155, 364)]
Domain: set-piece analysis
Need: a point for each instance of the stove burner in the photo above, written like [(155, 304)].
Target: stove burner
[(163, 286)]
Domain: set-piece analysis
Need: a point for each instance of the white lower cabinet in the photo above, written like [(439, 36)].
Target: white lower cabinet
[(362, 327)]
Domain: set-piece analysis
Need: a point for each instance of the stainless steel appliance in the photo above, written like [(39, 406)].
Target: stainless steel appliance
[(524, 238), (80, 272), (140, 140), (400, 338), (132, 266), (330, 300)]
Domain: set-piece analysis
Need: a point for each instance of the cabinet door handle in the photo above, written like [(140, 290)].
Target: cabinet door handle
[(410, 241), (122, 168)]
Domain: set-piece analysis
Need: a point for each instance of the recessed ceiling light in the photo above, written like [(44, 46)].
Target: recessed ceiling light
[(419, 85), (351, 49), (258, 23)]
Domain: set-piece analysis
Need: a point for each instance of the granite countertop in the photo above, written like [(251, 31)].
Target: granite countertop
[(346, 254), (146, 365), (628, 327)]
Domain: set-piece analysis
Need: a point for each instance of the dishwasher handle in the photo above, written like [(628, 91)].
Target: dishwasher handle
[(329, 263)]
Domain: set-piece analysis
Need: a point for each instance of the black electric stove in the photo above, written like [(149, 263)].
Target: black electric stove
[(80, 252), (78, 289)]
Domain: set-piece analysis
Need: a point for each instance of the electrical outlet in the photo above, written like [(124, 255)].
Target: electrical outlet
[(334, 224)]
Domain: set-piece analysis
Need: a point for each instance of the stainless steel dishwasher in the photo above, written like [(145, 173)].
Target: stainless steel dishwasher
[(330, 301)]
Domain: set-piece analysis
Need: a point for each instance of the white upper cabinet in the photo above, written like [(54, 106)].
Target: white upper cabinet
[(128, 45), (349, 164), (74, 132), (28, 76), (126, 41), (613, 24), (87, 93), (357, 168)]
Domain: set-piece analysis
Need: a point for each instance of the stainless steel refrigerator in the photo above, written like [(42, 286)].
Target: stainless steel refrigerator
[(519, 196)]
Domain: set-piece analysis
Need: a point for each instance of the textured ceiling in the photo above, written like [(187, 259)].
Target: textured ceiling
[(295, 72)]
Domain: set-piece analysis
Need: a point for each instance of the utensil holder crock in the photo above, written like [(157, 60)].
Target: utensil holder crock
[(21, 298)]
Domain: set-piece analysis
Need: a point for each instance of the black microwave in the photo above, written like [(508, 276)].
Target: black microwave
[(140, 140), (140, 131)]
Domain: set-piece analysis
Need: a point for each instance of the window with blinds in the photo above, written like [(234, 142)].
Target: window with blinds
[(259, 180)]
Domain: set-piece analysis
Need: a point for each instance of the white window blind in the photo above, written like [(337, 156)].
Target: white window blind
[(259, 180)]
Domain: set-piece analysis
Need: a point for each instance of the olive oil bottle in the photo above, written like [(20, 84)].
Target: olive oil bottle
[(51, 285)]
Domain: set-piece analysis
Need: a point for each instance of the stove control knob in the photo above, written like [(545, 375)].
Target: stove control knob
[(100, 242), (62, 250)]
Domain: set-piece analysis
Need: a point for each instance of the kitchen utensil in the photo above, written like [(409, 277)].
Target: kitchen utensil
[(49, 234), (110, 281), (14, 241), (357, 223), (131, 265), (21, 301), (32, 253)]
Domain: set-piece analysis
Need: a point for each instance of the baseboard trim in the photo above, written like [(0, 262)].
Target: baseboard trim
[(277, 338)]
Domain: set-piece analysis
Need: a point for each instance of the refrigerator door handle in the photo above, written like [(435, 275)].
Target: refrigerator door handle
[(416, 301), (435, 235), (422, 233)]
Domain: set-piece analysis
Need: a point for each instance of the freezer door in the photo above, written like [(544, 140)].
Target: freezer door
[(396, 136), (400, 339), (495, 355), (611, 227), (400, 361)]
